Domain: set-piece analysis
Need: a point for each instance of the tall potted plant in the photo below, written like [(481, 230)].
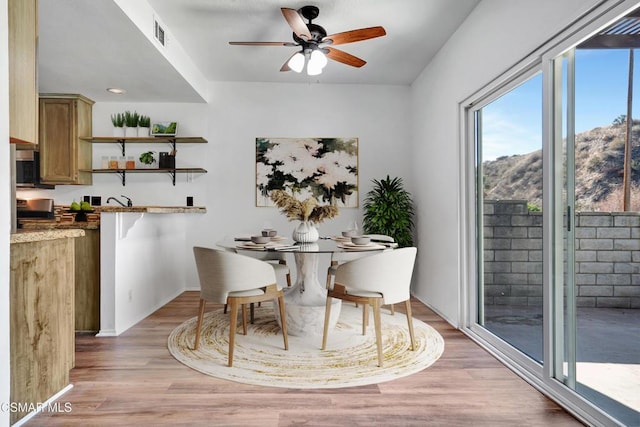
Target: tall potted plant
[(131, 124), (144, 123), (388, 209), (118, 124)]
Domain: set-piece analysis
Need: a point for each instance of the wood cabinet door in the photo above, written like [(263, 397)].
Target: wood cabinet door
[(23, 86), (57, 153), (64, 158)]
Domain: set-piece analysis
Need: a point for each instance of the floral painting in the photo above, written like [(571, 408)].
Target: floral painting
[(323, 168)]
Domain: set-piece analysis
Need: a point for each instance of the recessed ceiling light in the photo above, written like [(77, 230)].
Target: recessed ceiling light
[(116, 90)]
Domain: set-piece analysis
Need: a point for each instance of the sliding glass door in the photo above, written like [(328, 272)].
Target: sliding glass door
[(509, 199), (554, 250), (598, 323)]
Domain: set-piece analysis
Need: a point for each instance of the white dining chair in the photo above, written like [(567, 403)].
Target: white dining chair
[(338, 258), (383, 278), (278, 260), (236, 280)]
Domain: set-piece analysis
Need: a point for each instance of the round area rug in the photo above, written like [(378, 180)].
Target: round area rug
[(349, 360)]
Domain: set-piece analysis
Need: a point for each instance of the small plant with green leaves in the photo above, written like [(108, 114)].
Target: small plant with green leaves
[(144, 121), (131, 119), (147, 158), (117, 120), (388, 209)]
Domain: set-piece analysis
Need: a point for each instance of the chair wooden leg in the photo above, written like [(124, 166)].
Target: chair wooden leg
[(407, 305), (393, 310), (328, 281), (376, 321), (283, 318), (244, 318), (199, 324), (365, 317), (327, 314), (225, 309), (233, 321)]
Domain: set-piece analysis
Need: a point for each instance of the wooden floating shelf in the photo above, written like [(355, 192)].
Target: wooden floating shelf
[(123, 172), (146, 140)]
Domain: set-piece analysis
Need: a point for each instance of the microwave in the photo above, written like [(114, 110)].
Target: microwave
[(28, 170)]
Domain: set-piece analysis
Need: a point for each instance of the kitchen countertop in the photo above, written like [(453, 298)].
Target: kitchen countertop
[(52, 224), (26, 236), (152, 209)]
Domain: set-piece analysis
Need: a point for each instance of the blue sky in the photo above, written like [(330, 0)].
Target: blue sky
[(512, 124)]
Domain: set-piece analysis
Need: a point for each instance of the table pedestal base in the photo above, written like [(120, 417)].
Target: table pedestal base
[(306, 300), (309, 320)]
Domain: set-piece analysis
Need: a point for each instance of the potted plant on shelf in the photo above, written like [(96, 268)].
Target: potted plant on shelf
[(147, 160), (131, 124), (144, 123), (388, 209), (118, 124)]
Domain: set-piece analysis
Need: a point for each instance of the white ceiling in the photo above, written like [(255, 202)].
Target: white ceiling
[(87, 46)]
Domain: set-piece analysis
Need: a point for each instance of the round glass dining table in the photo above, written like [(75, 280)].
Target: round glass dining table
[(306, 299)]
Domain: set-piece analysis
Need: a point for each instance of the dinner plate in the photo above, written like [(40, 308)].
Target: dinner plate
[(354, 247), (251, 245)]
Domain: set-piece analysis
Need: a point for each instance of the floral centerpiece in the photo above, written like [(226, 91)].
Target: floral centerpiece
[(306, 211)]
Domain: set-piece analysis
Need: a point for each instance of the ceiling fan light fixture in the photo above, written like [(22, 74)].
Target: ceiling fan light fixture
[(296, 63), (317, 61)]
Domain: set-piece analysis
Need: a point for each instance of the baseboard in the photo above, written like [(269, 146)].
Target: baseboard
[(436, 311), (47, 406)]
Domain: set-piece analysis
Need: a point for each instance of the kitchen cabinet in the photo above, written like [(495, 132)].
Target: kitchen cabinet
[(87, 278), (171, 140), (41, 297), (64, 156), (23, 85)]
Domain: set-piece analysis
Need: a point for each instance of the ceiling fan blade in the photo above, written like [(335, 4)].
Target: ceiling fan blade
[(355, 35), (344, 57), (296, 23), (262, 44)]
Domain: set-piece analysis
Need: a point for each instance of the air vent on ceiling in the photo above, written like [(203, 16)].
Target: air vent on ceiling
[(158, 32)]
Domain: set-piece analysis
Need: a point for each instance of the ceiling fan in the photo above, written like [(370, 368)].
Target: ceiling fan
[(315, 44)]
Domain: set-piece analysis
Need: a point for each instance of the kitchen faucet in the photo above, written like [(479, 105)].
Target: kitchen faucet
[(129, 203)]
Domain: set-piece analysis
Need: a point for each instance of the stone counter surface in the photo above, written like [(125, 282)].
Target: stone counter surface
[(152, 209), (43, 224), (26, 236)]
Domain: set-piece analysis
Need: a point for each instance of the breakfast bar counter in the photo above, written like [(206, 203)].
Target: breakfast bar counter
[(152, 209), (39, 235), (143, 254)]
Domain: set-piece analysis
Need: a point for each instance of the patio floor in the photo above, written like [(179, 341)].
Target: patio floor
[(608, 351)]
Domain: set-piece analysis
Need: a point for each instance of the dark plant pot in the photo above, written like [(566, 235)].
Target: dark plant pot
[(81, 217), (166, 161)]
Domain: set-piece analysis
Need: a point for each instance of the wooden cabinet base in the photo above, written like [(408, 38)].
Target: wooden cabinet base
[(42, 317), (87, 293)]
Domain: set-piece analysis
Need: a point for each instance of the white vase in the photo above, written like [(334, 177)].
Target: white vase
[(130, 132), (305, 232), (118, 132), (143, 132)]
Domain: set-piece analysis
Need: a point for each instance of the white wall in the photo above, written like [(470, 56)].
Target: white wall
[(240, 112), (496, 35), (236, 114), (5, 214)]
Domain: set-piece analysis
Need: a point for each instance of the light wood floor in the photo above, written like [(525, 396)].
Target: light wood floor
[(133, 380)]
